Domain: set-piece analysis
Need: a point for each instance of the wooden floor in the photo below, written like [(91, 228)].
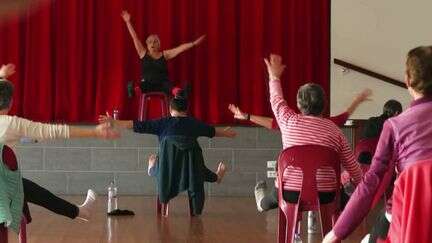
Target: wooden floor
[(224, 220)]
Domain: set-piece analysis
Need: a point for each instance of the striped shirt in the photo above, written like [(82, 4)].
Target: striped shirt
[(298, 129)]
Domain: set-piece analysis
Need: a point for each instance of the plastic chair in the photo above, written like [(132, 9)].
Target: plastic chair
[(161, 209), (366, 145), (3, 234), (146, 98), (22, 233), (308, 158), (10, 160), (412, 204)]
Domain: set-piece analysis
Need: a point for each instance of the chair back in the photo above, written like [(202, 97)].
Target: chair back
[(366, 145), (412, 204), (10, 160), (309, 158)]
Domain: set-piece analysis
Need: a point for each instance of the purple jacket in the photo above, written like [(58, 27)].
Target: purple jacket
[(405, 139)]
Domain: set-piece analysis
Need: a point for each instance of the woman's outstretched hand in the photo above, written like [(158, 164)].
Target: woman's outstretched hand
[(107, 118), (106, 131), (238, 114), (199, 40), (229, 132), (125, 15)]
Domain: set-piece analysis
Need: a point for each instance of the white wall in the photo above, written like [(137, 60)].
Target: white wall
[(375, 35)]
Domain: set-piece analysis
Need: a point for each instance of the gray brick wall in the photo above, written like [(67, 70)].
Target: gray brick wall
[(73, 166)]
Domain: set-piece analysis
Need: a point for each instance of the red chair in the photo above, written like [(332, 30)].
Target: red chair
[(161, 209), (10, 160), (412, 205), (145, 101), (309, 158), (366, 145), (3, 234)]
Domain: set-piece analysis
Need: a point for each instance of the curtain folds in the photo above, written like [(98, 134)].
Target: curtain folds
[(74, 58)]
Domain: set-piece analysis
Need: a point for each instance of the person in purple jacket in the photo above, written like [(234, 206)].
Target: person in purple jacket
[(405, 139)]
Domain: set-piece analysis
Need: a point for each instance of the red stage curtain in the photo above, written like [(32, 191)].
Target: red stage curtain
[(74, 58)]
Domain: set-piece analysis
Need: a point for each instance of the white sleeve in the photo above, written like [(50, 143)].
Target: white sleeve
[(27, 128)]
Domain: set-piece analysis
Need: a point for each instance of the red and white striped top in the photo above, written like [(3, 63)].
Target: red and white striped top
[(298, 129)]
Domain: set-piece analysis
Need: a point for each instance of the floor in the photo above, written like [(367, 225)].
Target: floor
[(224, 220)]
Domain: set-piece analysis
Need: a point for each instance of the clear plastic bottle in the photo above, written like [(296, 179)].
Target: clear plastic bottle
[(112, 197), (312, 222), (115, 114)]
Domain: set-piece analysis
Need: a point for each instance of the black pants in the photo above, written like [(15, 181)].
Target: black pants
[(40, 196), (196, 202), (165, 86), (196, 199), (380, 228), (270, 201)]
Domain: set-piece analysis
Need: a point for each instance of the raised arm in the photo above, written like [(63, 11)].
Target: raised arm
[(279, 106), (360, 98), (169, 54), (259, 120), (137, 43)]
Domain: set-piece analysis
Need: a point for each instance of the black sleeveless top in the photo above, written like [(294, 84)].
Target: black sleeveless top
[(154, 70)]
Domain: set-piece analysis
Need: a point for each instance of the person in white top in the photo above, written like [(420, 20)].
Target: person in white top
[(13, 128)]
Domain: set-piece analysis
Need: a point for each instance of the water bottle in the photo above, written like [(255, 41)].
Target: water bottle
[(115, 114), (312, 222), (112, 197)]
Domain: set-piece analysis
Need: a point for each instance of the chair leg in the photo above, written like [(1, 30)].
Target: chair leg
[(282, 227), (23, 231), (141, 108), (327, 213), (3, 234), (292, 219), (145, 107), (164, 105), (158, 206)]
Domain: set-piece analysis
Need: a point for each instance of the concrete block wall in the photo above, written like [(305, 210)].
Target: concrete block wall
[(73, 166)]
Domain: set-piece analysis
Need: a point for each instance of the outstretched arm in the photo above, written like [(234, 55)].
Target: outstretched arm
[(38, 130), (225, 132), (280, 108), (259, 120), (169, 54), (138, 45), (107, 118), (148, 126)]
